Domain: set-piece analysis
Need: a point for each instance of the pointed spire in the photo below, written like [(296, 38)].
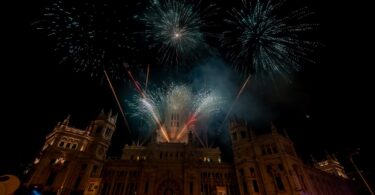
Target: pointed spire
[(334, 157), (273, 128), (101, 114), (110, 113), (90, 128), (313, 159), (114, 118), (328, 156), (285, 133), (66, 121)]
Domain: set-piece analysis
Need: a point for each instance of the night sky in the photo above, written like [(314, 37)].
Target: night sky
[(328, 106)]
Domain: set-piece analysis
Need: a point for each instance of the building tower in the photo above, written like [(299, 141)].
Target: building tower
[(71, 156), (176, 120), (266, 164), (246, 168), (331, 165)]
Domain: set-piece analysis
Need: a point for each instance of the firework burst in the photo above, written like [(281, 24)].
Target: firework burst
[(263, 43), (174, 110), (93, 36), (176, 28)]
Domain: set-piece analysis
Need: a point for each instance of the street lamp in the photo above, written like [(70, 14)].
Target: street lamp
[(359, 172)]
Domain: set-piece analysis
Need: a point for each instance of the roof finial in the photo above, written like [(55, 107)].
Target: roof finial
[(66, 121), (273, 128), (313, 159), (285, 133), (334, 157), (114, 118), (328, 156), (89, 128), (110, 113), (101, 114)]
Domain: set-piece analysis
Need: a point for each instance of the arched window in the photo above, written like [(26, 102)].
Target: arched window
[(78, 181), (255, 186), (252, 172), (279, 183), (175, 120), (94, 170), (51, 178)]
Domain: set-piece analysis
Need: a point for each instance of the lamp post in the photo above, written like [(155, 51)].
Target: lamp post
[(359, 172)]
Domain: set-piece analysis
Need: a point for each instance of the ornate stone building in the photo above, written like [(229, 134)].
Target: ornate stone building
[(74, 161)]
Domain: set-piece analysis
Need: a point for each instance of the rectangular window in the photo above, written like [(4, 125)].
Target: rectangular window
[(51, 178), (280, 166), (78, 181), (252, 172), (104, 190), (274, 149), (245, 190), (269, 151), (242, 173), (83, 167), (255, 186), (279, 183), (146, 187), (263, 150), (94, 170), (302, 181), (269, 168)]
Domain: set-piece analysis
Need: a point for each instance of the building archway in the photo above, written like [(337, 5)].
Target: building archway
[(169, 187)]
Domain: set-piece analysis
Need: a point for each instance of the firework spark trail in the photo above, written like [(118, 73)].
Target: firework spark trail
[(235, 100), (189, 122), (266, 44), (118, 102), (146, 102), (155, 117), (192, 119), (136, 84), (162, 102), (199, 139), (148, 74), (205, 104)]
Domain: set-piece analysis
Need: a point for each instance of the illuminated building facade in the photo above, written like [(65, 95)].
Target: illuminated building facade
[(74, 161)]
